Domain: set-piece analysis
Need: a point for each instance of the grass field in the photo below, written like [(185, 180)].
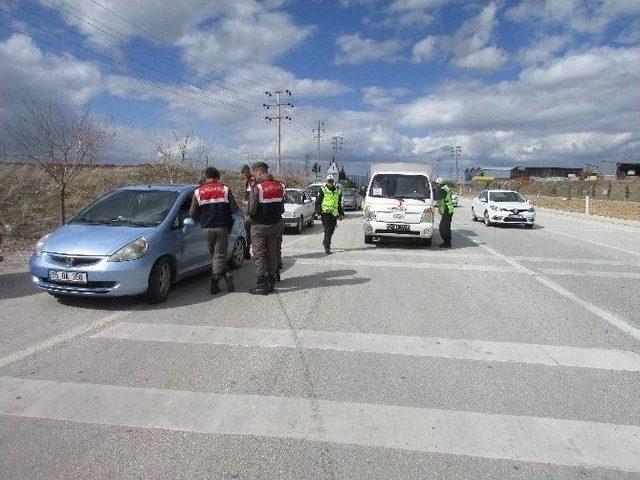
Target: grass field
[(605, 208), (29, 202)]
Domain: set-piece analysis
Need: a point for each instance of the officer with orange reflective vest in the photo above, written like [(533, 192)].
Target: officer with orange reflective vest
[(266, 206), (213, 205)]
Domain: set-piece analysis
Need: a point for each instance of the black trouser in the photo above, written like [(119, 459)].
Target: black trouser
[(445, 227), (329, 223)]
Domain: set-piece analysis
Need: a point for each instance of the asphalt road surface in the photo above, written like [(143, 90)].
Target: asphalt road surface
[(516, 354)]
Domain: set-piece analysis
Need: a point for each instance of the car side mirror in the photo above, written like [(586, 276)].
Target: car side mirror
[(188, 223)]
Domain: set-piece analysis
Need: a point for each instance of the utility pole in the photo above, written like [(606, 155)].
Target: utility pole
[(317, 132), (456, 150), (336, 145), (279, 105)]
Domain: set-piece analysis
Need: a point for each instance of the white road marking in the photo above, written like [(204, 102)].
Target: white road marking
[(590, 273), (603, 314), (405, 265), (508, 437), (578, 261), (413, 253), (600, 244), (554, 355), (63, 337)]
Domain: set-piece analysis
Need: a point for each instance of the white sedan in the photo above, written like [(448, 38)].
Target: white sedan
[(503, 207), (299, 210)]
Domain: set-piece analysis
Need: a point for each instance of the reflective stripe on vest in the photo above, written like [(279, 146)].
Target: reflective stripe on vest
[(446, 204), (212, 192), (330, 201)]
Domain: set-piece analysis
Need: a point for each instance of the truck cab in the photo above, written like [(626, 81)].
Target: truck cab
[(399, 203)]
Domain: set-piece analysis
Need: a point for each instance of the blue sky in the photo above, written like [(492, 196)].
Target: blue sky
[(512, 82)]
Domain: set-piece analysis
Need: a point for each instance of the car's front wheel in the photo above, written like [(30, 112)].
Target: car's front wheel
[(473, 215), (237, 254), (299, 225), (368, 239), (487, 222), (159, 281), (529, 226)]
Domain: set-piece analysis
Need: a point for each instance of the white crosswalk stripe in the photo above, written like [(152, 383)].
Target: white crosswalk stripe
[(553, 355), (533, 439)]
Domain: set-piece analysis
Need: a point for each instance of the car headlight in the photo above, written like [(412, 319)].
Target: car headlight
[(369, 214), (427, 215), (37, 251), (132, 251), (493, 207)]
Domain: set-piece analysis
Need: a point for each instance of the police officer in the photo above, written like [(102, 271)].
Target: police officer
[(213, 205), (329, 207), (266, 206), (445, 208)]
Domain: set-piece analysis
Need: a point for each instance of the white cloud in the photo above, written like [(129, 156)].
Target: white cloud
[(379, 97), (232, 41), (424, 49), (471, 44), (543, 49), (576, 15), (355, 50)]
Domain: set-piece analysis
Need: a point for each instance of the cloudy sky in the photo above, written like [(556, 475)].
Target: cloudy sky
[(511, 82)]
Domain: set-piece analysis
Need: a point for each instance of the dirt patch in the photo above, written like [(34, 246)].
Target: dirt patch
[(605, 208)]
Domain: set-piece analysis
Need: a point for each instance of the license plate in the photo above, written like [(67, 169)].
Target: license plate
[(398, 228), (516, 217), (72, 277)]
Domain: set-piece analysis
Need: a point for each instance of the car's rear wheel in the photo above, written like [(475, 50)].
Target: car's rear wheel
[(487, 222), (473, 215), (159, 281), (237, 254), (368, 239)]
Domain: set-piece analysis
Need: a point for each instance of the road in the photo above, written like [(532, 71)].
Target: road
[(515, 354)]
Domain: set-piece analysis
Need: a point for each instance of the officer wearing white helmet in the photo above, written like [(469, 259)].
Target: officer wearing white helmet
[(329, 207), (445, 209)]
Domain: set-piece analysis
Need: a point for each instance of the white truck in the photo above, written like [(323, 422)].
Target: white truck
[(399, 203)]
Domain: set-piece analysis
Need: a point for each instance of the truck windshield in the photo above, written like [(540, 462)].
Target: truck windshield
[(392, 185)]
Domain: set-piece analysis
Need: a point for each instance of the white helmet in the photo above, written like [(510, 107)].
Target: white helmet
[(440, 180), (330, 177)]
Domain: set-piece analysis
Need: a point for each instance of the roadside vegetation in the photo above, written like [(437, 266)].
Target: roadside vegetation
[(29, 197)]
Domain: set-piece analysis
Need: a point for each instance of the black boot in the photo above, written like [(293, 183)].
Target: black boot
[(261, 287), (228, 279), (271, 282), (215, 285), (327, 250)]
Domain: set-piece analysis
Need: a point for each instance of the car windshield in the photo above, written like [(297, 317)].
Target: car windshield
[(500, 197), (349, 192), (293, 196), (130, 208), (392, 185)]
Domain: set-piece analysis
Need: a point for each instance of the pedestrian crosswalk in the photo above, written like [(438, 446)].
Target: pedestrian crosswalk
[(314, 403)]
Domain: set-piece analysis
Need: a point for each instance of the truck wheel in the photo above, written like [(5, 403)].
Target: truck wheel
[(159, 281)]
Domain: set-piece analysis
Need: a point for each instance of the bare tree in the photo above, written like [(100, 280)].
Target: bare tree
[(60, 141), (177, 155)]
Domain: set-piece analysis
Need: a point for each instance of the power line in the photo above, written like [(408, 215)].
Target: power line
[(279, 105)]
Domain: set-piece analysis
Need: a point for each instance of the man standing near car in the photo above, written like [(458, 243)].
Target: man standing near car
[(213, 206), (445, 209), (329, 208), (266, 206)]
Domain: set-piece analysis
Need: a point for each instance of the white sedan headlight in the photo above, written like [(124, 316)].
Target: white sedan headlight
[(40, 245), (132, 251)]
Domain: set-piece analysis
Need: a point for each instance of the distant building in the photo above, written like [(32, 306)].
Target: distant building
[(546, 172), (628, 170), (495, 173)]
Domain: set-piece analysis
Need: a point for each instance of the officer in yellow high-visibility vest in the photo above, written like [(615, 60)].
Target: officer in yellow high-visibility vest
[(329, 207), (445, 209)]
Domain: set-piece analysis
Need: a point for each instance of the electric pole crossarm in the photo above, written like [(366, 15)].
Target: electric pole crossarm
[(279, 105)]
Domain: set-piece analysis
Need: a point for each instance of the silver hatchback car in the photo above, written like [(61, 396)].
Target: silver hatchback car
[(136, 240)]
